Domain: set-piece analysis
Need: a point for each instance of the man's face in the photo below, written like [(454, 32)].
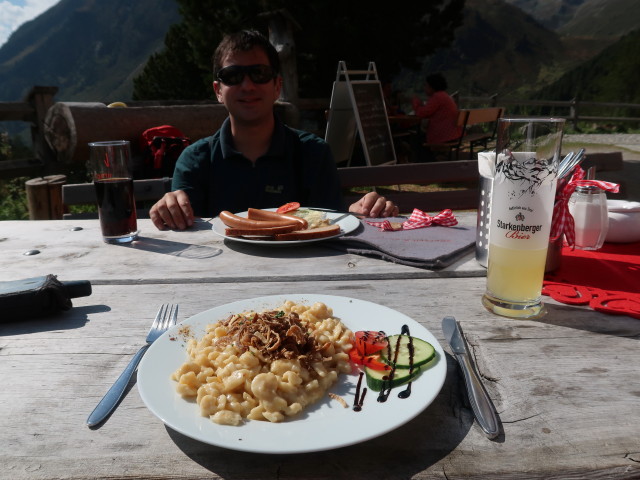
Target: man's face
[(248, 103)]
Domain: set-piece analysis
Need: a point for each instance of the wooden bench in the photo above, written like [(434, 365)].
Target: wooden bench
[(480, 128), (612, 164), (144, 191), (453, 145), (462, 175), (604, 162)]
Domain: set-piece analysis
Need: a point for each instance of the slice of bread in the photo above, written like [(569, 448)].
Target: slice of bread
[(313, 233), (267, 231)]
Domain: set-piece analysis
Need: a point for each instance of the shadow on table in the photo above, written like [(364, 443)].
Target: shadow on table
[(402, 453), (293, 251), (176, 249), (583, 318), (77, 317)]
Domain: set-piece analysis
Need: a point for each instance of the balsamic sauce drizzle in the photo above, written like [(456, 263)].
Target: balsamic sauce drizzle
[(387, 380), (359, 400), (406, 393)]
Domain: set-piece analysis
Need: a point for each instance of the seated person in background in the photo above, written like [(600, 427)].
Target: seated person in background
[(391, 99), (440, 109), (254, 160)]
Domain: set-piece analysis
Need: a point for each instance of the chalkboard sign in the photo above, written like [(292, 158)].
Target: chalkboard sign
[(358, 107), (373, 124)]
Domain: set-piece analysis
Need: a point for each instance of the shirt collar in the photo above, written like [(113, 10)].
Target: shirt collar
[(276, 149)]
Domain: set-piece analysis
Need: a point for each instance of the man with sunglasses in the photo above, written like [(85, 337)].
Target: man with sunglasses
[(253, 160)]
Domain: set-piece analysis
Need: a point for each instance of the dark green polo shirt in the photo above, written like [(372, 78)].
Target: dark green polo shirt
[(298, 167)]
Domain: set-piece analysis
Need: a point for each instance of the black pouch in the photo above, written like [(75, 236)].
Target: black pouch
[(38, 297)]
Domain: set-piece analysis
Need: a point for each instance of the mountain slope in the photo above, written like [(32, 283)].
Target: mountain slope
[(612, 76), (499, 48), (584, 18), (553, 14), (603, 18), (90, 49)]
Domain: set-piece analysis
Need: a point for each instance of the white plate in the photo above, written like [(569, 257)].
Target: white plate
[(347, 225), (322, 426)]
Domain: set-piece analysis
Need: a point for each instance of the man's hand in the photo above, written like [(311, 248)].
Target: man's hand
[(172, 211), (375, 206)]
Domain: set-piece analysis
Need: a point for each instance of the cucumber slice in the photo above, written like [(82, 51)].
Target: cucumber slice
[(379, 379), (423, 352)]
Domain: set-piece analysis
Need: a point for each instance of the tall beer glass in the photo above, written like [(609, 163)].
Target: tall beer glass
[(113, 181), (524, 187)]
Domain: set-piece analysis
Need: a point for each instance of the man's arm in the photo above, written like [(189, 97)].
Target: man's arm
[(374, 205), (173, 211)]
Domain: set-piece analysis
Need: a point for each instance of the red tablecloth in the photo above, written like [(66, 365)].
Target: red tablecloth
[(608, 280)]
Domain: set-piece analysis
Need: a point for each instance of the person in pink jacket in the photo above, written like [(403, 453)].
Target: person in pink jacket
[(440, 110)]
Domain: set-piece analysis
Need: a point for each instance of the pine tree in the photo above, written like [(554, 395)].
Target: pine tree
[(394, 35)]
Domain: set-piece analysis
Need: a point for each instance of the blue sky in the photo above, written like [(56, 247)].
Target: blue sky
[(14, 13)]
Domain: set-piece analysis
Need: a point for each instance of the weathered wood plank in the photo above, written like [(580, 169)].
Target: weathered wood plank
[(144, 189), (435, 201), (70, 126), (564, 386), (192, 256), (413, 173), (460, 175)]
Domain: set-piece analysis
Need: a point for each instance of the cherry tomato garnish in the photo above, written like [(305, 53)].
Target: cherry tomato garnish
[(369, 342), (288, 207), (371, 361)]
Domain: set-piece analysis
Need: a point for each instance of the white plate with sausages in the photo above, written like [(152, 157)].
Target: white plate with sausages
[(347, 223)]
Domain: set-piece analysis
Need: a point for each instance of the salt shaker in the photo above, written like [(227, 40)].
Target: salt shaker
[(588, 206)]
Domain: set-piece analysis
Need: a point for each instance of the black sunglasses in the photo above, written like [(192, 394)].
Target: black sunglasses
[(234, 74)]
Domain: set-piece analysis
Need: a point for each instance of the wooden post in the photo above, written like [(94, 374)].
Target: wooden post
[(44, 196), (281, 27), (573, 113), (41, 99)]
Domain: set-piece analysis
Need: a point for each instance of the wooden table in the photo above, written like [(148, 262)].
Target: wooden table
[(566, 386)]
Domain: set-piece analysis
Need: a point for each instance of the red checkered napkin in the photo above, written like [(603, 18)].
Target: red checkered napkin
[(418, 219)]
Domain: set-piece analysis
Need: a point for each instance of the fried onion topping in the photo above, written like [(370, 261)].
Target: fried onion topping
[(273, 334)]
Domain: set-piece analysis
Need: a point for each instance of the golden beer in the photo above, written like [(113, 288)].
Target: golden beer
[(524, 187)]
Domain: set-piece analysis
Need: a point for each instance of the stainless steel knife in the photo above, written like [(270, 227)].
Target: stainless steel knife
[(481, 404)]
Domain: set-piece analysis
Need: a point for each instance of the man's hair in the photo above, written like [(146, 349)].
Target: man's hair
[(244, 41), (437, 82)]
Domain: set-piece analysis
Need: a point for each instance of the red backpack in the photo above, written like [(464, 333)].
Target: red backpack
[(161, 147)]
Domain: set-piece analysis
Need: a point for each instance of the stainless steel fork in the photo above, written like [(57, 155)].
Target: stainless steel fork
[(166, 317)]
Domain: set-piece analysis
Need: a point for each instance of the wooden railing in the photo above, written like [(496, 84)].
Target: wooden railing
[(575, 111), (31, 110)]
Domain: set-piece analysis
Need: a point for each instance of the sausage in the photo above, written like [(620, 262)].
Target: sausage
[(256, 214), (234, 221)]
